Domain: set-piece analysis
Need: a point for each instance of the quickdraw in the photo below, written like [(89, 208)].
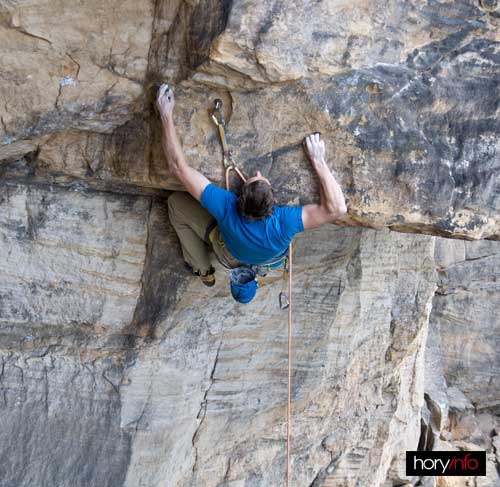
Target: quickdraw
[(262, 270), (283, 297), (228, 160)]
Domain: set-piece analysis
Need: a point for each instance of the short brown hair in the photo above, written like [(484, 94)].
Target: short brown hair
[(256, 200)]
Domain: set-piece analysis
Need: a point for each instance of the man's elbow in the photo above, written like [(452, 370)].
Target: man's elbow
[(337, 212), (342, 211)]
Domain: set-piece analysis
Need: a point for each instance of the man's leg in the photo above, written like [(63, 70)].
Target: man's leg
[(190, 221)]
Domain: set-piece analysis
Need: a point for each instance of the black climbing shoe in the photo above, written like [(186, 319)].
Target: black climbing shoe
[(189, 268), (208, 279)]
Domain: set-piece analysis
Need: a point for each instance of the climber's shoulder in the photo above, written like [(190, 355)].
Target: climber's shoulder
[(217, 200), (290, 219)]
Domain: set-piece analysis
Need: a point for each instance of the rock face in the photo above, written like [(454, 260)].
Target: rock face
[(406, 95), (71, 277), (466, 309), (462, 355), (119, 369), (210, 368), (358, 386), (93, 63)]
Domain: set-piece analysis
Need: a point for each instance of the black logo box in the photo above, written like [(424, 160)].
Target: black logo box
[(446, 463)]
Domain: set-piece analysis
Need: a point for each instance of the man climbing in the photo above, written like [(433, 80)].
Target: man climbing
[(245, 229)]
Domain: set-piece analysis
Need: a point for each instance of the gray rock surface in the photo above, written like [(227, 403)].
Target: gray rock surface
[(210, 369), (406, 95), (466, 312), (222, 378), (462, 354), (119, 369), (60, 418), (70, 280)]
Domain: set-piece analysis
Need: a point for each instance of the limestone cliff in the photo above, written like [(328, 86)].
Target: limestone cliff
[(119, 369)]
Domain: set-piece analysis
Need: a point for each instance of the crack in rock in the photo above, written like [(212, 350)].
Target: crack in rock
[(203, 407)]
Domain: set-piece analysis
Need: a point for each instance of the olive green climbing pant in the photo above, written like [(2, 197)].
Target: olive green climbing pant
[(198, 232)]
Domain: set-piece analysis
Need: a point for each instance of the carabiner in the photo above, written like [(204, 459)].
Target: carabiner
[(283, 300), (218, 109)]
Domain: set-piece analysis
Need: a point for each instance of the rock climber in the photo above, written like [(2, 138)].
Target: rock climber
[(245, 230)]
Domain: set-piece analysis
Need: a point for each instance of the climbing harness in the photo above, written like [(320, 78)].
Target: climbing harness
[(262, 270), (285, 297)]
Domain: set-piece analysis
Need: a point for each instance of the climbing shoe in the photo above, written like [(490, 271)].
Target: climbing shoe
[(208, 279)]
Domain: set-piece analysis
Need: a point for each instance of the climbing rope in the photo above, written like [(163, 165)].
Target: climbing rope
[(285, 298), (289, 402)]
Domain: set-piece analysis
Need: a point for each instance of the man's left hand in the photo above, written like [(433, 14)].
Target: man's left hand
[(165, 101)]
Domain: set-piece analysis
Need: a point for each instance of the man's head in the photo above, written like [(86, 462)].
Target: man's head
[(256, 200)]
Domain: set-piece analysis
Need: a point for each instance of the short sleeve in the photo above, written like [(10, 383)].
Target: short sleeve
[(291, 221), (217, 200)]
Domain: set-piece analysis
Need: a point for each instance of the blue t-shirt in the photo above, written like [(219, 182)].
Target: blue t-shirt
[(252, 242)]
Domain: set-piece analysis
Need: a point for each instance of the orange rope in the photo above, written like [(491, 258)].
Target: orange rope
[(289, 407)]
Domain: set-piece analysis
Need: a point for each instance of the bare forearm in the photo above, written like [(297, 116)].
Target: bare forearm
[(331, 195), (172, 146), (193, 180)]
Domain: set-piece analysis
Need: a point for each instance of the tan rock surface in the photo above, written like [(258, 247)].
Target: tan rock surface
[(79, 65), (117, 368), (408, 107)]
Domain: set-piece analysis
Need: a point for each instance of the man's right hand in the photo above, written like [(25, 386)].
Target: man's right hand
[(165, 101), (315, 148), (332, 204)]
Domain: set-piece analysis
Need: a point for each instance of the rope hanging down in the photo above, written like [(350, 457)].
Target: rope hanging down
[(289, 401), (284, 299)]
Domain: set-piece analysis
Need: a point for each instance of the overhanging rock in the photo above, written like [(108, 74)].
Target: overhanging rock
[(406, 96)]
